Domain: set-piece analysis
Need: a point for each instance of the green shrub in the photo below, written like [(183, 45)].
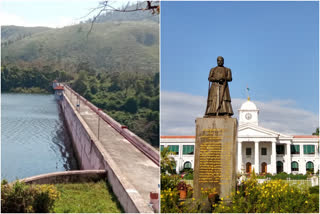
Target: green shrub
[(283, 176), (273, 196), (314, 190), (169, 181), (20, 197)]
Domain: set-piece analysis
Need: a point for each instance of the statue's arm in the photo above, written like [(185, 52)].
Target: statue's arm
[(229, 75), (210, 78)]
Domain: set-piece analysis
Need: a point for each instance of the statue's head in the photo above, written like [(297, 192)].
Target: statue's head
[(220, 61)]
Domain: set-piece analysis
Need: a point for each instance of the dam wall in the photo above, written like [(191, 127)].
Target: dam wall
[(93, 155)]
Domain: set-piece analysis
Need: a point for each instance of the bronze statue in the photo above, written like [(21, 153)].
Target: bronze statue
[(219, 100)]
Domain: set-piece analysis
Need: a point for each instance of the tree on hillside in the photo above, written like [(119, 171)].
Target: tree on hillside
[(316, 132), (81, 84)]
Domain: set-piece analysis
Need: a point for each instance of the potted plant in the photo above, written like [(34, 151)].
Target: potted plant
[(182, 187)]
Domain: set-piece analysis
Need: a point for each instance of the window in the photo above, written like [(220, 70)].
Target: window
[(248, 151), (174, 149), (295, 149), (161, 148), (280, 149), (187, 165), (279, 167), (263, 151), (308, 149), (294, 166), (188, 149), (310, 167)]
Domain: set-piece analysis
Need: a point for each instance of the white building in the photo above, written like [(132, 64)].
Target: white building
[(265, 150)]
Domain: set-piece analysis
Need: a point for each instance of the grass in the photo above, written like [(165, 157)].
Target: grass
[(86, 198)]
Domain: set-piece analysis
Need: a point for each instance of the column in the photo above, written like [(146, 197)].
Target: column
[(288, 158), (273, 158), (239, 159), (256, 157)]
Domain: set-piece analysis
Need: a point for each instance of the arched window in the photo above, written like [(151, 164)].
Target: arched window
[(248, 167), (264, 167), (310, 167), (187, 165), (294, 166), (279, 167)]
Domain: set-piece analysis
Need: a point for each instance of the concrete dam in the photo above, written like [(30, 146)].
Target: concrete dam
[(101, 143)]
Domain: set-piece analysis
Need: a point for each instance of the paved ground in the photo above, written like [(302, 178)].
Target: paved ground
[(139, 170)]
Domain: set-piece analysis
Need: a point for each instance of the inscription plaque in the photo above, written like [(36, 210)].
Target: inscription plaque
[(215, 155)]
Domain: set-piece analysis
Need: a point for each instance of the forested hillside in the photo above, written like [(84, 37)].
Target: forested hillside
[(116, 67), (122, 46)]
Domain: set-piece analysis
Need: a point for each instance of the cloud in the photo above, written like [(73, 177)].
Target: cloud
[(11, 19), (56, 22), (179, 111)]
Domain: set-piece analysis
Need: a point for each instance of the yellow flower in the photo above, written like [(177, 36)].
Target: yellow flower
[(193, 199), (201, 188), (181, 203), (238, 192), (170, 194), (306, 202)]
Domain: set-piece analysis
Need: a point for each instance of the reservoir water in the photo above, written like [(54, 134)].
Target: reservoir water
[(34, 139)]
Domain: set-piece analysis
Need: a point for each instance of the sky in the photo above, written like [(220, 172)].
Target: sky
[(49, 13), (271, 47)]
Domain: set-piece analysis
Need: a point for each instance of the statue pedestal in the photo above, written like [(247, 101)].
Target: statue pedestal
[(215, 156)]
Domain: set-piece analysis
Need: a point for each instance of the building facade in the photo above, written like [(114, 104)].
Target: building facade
[(258, 148)]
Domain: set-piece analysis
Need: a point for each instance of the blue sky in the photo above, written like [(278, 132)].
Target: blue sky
[(273, 47), (51, 13)]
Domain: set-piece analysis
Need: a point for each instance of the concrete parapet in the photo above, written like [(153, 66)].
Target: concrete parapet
[(75, 176)]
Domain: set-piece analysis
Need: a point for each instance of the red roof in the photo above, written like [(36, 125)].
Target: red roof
[(59, 88), (305, 136), (296, 136), (177, 137)]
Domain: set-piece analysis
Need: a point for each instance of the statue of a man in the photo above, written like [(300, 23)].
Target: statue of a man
[(219, 100)]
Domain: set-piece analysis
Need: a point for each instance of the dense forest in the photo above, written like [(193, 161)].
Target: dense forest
[(130, 98), (111, 46)]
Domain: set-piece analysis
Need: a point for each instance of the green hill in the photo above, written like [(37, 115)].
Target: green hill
[(10, 34), (111, 46)]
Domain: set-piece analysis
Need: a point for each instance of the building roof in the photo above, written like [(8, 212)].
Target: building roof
[(59, 88), (305, 136), (172, 137), (248, 106)]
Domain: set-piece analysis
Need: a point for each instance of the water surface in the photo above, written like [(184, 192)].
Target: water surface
[(34, 139)]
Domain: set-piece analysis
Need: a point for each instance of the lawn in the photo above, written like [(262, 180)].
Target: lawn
[(86, 198)]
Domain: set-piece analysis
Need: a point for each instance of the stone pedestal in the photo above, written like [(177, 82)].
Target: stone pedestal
[(215, 155)]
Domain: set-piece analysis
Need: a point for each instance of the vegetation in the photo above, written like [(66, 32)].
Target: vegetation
[(168, 164), (86, 198), (250, 197), (25, 80), (116, 67), (273, 196), (284, 176), (22, 198), (111, 47), (130, 98), (316, 132)]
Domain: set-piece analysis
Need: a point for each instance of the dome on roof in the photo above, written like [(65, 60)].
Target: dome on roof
[(248, 105)]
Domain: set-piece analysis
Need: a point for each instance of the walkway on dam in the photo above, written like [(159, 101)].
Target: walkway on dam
[(138, 169)]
